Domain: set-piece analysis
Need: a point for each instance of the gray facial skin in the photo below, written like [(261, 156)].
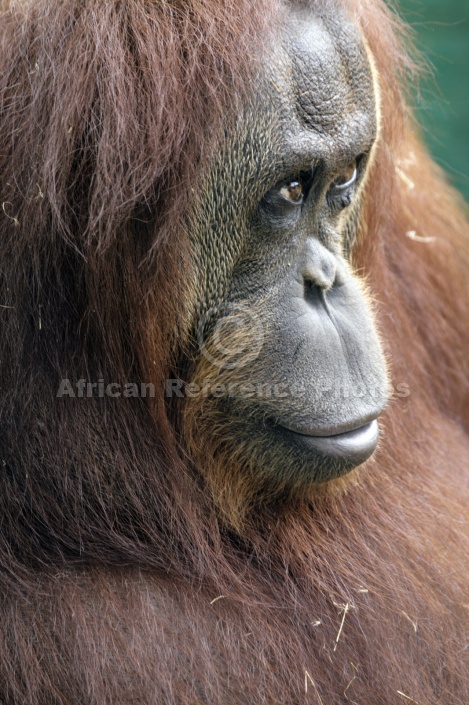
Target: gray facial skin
[(313, 121)]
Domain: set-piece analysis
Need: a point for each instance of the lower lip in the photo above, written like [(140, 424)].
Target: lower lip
[(352, 447)]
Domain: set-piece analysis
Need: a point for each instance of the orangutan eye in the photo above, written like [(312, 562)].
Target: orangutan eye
[(293, 192), (342, 189), (283, 203), (347, 178)]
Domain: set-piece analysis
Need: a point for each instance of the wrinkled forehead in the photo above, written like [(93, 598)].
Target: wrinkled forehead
[(323, 68)]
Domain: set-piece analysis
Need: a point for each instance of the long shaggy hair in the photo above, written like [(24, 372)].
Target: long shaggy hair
[(119, 581)]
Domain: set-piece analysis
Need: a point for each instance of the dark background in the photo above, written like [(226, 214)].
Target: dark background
[(441, 33)]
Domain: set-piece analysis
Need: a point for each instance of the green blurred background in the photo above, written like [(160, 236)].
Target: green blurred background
[(441, 33)]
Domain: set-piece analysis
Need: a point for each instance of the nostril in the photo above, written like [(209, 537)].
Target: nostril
[(314, 295), (319, 267), (321, 277)]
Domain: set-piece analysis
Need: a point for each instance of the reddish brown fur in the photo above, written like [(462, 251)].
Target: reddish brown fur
[(112, 555)]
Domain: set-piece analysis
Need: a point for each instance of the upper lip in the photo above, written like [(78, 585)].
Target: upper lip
[(330, 431)]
